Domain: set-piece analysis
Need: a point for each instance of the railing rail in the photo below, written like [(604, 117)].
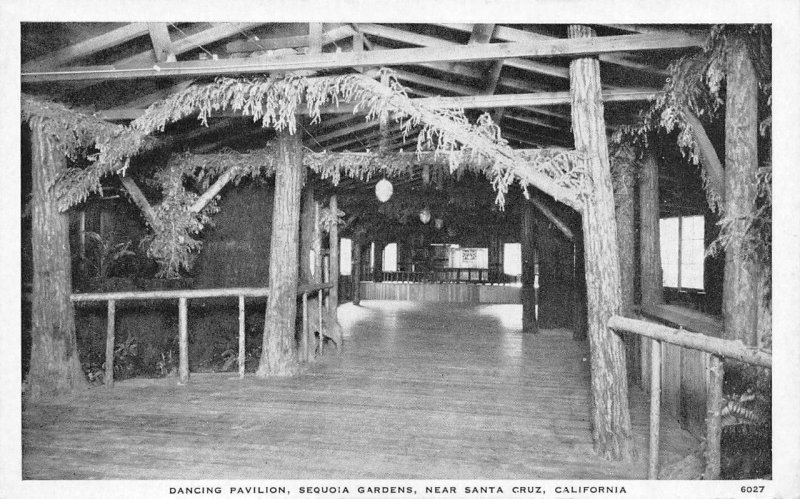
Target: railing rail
[(183, 296), (451, 275), (716, 349)]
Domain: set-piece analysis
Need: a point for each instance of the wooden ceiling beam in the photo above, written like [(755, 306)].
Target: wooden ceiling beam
[(363, 125), (162, 43), (545, 48), (455, 88), (509, 34), (87, 47), (430, 41)]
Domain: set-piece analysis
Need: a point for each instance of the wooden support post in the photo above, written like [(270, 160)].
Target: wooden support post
[(304, 348), (55, 367), (741, 276), (611, 426), (578, 289), (321, 323), (183, 341), (358, 249), (624, 183), (333, 259), (377, 269), (242, 353), (316, 245), (528, 240), (279, 353), (714, 402), (307, 217), (655, 409), (651, 280), (110, 320)]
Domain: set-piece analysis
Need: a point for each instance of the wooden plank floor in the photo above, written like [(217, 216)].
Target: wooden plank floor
[(422, 391)]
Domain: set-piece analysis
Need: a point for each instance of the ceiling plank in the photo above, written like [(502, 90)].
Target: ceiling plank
[(340, 32), (87, 47), (545, 48), (162, 43)]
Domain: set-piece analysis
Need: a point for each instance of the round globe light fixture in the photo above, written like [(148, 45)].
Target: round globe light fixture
[(425, 216), (384, 190)]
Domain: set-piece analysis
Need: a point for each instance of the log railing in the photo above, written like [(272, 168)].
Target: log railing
[(716, 349), (183, 296)]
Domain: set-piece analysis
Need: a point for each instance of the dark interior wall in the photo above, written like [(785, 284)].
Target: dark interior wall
[(236, 250), (556, 267)]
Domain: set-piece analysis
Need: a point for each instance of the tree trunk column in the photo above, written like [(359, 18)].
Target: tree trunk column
[(651, 279), (358, 250), (528, 278), (55, 368), (377, 270), (611, 426), (279, 355), (333, 258), (741, 280), (624, 183)]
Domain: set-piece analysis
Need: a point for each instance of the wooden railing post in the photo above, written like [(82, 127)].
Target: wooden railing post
[(241, 337), (716, 372), (183, 342), (304, 336), (655, 409), (110, 319)]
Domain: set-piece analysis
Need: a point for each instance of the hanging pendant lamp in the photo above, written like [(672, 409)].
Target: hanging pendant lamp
[(384, 190)]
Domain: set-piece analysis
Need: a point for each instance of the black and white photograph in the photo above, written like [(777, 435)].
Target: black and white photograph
[(413, 249)]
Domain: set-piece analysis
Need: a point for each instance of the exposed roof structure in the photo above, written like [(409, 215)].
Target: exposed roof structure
[(518, 73)]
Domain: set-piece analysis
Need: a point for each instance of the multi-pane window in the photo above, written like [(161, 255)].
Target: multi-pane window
[(683, 251)]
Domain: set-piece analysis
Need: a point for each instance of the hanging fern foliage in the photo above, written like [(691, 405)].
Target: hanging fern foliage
[(456, 144)]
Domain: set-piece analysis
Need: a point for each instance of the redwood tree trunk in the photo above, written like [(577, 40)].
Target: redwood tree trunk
[(651, 280), (528, 248), (55, 368), (333, 244), (377, 269), (358, 250), (624, 182), (741, 281), (279, 354), (611, 418), (306, 235)]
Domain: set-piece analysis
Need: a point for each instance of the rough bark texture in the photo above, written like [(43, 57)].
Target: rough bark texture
[(651, 280), (279, 354), (611, 426), (578, 289), (377, 269), (740, 284), (333, 244), (358, 249), (528, 248), (55, 368), (624, 181), (306, 235)]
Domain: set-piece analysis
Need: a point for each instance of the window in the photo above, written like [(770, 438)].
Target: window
[(345, 256), (683, 251), (512, 258), (390, 258)]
